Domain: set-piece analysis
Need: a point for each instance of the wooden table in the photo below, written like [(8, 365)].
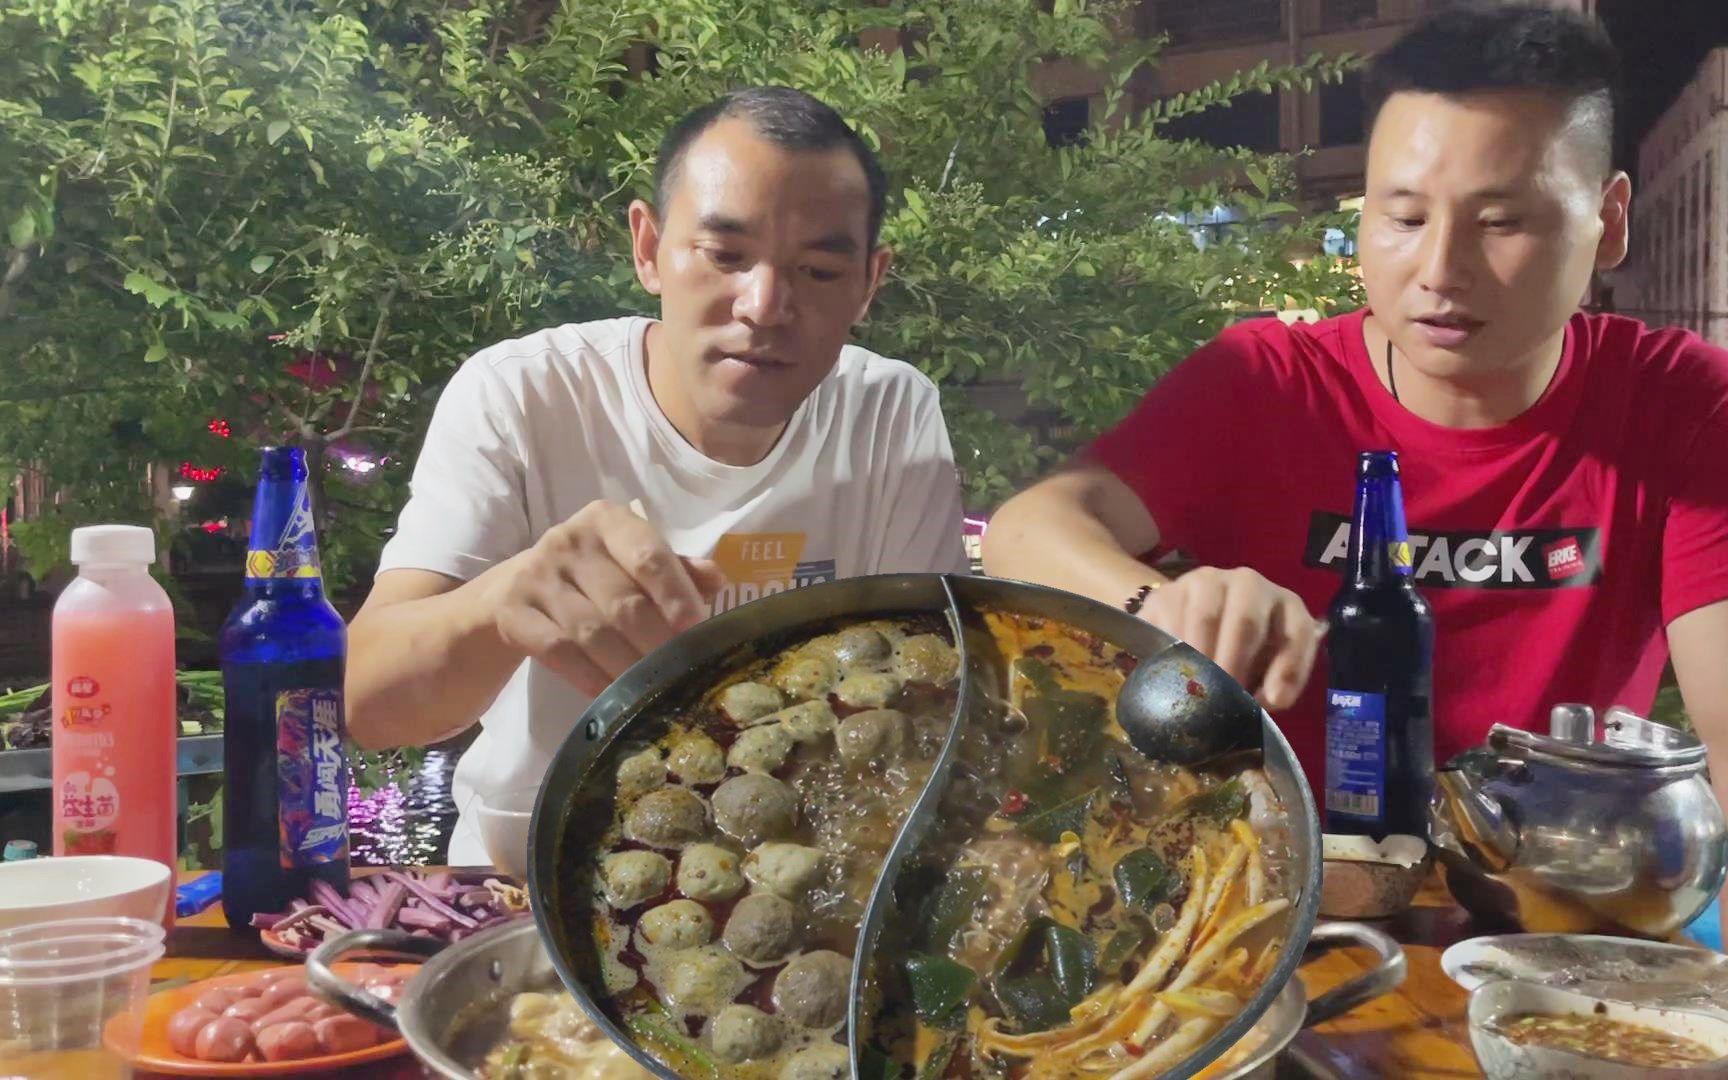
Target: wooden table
[(1418, 1033)]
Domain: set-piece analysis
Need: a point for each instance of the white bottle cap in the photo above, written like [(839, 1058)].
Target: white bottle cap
[(112, 544)]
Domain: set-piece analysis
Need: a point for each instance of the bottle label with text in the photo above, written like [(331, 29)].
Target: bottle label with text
[(89, 803), (311, 777), (1355, 753), (293, 552)]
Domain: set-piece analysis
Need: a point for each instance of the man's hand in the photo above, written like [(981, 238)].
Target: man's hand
[(1257, 631), (1260, 633), (597, 593)]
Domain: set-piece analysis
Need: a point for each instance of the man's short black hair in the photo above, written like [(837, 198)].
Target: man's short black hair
[(1505, 47), (785, 117)]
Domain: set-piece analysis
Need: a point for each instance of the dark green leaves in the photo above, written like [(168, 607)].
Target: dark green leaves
[(1055, 802), (950, 907), (1222, 805), (1038, 673), (1144, 880), (940, 990), (873, 1064), (1047, 821), (1045, 972), (1071, 721), (936, 1065), (1124, 943)]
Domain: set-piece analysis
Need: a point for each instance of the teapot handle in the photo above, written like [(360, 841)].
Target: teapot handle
[(1383, 978)]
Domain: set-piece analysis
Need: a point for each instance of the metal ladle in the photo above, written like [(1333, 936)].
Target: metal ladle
[(1178, 706)]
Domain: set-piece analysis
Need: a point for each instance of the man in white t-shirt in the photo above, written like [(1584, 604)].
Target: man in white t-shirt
[(588, 491)]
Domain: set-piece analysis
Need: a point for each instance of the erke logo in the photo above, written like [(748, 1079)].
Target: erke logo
[(1564, 558)]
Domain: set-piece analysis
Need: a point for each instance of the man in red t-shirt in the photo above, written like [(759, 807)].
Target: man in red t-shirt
[(1565, 474)]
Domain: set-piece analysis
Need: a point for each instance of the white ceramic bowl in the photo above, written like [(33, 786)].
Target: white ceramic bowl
[(504, 821), (1502, 1059), (81, 887)]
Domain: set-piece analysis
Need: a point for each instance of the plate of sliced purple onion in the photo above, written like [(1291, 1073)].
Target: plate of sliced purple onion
[(445, 904)]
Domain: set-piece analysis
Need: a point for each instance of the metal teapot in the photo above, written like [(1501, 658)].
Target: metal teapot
[(1566, 832)]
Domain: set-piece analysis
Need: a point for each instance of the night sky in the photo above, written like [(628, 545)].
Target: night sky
[(1662, 41)]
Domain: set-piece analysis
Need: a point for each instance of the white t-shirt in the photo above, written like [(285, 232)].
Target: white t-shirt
[(530, 431)]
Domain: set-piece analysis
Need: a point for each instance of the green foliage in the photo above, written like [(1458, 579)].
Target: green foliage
[(196, 194), (1669, 709), (203, 822)]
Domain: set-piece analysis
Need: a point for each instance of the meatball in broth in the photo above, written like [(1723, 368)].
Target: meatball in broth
[(730, 886)]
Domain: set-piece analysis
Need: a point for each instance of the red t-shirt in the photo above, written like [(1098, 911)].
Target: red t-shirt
[(1553, 549)]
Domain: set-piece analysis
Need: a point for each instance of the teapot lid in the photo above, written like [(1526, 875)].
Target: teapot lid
[(1629, 740)]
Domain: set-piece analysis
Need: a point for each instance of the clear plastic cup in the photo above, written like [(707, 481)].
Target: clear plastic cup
[(72, 996)]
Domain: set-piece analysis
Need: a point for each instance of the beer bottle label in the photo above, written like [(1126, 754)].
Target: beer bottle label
[(311, 778), (293, 551), (1355, 754)]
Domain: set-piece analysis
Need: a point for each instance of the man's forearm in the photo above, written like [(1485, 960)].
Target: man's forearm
[(424, 670), (1065, 547)]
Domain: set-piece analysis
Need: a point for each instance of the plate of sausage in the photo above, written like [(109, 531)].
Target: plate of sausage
[(261, 1023)]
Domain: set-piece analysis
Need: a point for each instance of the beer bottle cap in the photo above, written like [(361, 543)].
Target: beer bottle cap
[(113, 544)]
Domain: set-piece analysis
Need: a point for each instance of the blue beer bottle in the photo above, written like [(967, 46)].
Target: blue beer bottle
[(285, 789), (1380, 678)]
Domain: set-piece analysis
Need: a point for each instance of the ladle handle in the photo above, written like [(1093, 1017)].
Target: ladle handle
[(325, 983), (1383, 978)]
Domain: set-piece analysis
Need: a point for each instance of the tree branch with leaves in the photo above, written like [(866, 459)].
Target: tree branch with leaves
[(302, 217)]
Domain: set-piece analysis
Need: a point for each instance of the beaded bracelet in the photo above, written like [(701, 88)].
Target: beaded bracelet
[(1134, 603)]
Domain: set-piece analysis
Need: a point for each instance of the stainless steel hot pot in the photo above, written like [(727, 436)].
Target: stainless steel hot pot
[(576, 798)]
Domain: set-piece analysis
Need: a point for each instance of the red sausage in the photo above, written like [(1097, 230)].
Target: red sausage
[(288, 1042), (223, 1039), (274, 975), (322, 1010), (284, 990), (341, 1034), (248, 1009), (292, 1010), (183, 1029), (218, 998)]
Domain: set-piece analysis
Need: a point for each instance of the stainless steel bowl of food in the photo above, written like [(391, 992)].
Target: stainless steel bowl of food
[(479, 1009), (881, 819)]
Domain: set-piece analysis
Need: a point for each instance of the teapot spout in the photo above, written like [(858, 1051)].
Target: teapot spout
[(1469, 822)]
